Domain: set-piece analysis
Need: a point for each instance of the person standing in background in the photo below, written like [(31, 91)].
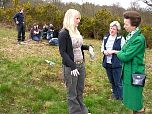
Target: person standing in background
[(19, 21), (113, 66)]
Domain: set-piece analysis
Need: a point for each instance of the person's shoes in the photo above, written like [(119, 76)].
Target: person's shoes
[(18, 43), (22, 43), (139, 112)]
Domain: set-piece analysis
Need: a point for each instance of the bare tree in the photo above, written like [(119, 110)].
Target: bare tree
[(52, 1), (148, 2), (135, 5)]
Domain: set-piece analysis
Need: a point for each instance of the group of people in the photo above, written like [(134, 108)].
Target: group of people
[(46, 33), (36, 34), (121, 57)]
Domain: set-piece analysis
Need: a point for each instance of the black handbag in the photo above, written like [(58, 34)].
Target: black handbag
[(138, 79)]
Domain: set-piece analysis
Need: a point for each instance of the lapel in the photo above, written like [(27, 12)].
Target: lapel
[(134, 36), (105, 40), (131, 39), (117, 38)]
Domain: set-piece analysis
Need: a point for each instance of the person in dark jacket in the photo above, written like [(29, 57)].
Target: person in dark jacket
[(71, 50), (44, 31), (19, 20), (35, 33), (113, 41), (51, 36), (50, 32)]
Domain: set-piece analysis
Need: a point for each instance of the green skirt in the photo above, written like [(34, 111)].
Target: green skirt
[(132, 97)]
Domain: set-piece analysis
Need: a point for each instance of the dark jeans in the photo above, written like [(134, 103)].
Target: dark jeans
[(36, 38), (21, 32), (114, 75), (44, 34), (75, 88), (54, 41), (49, 35)]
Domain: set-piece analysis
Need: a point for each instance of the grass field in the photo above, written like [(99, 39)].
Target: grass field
[(28, 85)]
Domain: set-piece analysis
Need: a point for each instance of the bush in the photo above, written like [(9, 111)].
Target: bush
[(95, 26), (146, 31), (40, 14)]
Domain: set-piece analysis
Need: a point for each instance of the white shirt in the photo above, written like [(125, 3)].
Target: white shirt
[(131, 34), (76, 44), (109, 45)]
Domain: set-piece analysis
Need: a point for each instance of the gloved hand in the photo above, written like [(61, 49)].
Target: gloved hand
[(91, 52), (75, 72)]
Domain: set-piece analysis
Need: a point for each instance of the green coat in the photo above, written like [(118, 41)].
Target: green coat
[(132, 56)]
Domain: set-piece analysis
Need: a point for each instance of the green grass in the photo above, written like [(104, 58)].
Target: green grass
[(28, 85)]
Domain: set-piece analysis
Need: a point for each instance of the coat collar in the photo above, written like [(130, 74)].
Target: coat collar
[(134, 35)]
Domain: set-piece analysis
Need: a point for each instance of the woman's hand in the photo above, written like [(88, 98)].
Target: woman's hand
[(110, 52), (75, 72), (106, 52), (113, 52)]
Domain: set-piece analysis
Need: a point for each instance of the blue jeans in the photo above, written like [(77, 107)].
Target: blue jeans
[(114, 76), (49, 35), (36, 38), (54, 41), (44, 35), (75, 88)]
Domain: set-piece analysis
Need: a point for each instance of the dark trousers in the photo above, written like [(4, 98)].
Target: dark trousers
[(36, 37), (75, 88), (114, 76), (21, 32)]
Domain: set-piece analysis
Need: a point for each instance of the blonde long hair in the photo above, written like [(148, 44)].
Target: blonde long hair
[(68, 22)]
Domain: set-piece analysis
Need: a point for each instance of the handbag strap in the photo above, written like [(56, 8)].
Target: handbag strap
[(145, 56)]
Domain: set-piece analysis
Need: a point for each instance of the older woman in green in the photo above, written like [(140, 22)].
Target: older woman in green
[(132, 56)]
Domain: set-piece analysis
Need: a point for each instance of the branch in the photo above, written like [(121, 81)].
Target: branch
[(148, 3)]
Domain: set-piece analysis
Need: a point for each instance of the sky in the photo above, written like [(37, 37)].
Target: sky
[(123, 3)]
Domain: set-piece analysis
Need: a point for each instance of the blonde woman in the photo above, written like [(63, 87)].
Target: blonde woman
[(71, 49)]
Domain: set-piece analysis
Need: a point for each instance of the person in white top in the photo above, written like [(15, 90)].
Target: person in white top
[(113, 66)]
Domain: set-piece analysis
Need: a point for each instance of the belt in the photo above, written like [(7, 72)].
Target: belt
[(78, 62)]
